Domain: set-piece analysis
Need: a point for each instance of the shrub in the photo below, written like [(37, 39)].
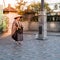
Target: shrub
[(4, 22)]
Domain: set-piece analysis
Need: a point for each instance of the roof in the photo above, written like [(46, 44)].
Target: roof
[(9, 9)]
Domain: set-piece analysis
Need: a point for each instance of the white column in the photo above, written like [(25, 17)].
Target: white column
[(42, 25)]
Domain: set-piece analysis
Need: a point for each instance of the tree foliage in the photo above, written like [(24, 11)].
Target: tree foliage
[(20, 7), (34, 7)]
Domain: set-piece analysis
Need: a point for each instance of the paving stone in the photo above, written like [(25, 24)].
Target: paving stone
[(31, 48)]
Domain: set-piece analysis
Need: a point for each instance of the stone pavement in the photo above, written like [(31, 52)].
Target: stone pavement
[(31, 48)]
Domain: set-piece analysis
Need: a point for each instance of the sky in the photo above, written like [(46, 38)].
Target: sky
[(53, 1), (13, 2)]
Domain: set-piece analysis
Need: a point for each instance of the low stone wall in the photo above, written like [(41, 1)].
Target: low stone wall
[(51, 26), (34, 26), (25, 25)]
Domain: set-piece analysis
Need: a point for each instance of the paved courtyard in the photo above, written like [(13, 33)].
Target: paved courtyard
[(31, 48)]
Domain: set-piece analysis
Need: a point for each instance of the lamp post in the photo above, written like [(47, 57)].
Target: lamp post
[(42, 5), (42, 22)]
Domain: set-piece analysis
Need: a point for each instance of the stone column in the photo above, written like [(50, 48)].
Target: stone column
[(42, 22), (42, 25)]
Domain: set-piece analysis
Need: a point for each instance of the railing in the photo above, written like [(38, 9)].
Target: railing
[(53, 18)]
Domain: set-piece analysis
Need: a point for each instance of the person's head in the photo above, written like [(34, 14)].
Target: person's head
[(18, 17)]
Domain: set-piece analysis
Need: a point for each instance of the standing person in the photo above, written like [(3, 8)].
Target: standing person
[(17, 30)]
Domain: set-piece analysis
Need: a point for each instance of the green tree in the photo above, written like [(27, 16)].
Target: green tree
[(47, 7), (36, 7)]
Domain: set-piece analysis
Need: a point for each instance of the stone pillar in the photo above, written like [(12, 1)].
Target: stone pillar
[(42, 22), (42, 25)]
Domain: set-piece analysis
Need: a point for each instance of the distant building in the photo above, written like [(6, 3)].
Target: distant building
[(9, 9), (10, 12)]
